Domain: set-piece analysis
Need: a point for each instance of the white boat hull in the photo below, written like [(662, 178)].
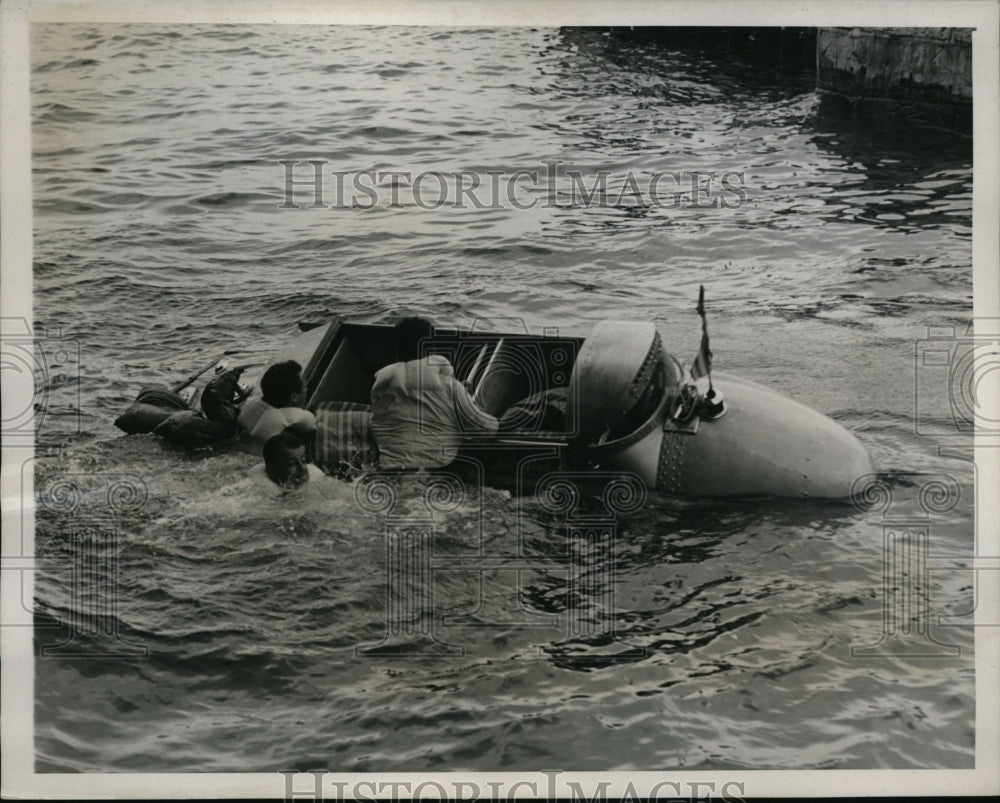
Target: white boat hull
[(766, 443)]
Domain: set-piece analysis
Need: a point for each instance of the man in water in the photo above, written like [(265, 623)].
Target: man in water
[(420, 412), (286, 467), (279, 407)]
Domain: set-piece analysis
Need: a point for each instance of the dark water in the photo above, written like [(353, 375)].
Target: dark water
[(159, 242)]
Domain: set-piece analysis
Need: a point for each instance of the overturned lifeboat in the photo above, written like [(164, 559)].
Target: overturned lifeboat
[(613, 401)]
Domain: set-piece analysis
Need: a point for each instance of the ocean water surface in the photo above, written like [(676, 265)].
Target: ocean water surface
[(748, 634)]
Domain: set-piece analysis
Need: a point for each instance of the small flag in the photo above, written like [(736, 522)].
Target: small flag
[(702, 365)]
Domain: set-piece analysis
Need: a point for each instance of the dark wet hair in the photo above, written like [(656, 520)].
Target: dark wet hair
[(280, 382), (407, 334), (276, 444)]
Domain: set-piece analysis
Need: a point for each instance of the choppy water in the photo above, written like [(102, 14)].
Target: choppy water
[(159, 242)]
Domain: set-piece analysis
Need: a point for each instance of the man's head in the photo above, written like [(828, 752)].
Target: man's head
[(285, 460), (282, 385), (407, 336)]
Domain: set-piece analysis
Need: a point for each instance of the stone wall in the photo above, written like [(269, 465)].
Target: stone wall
[(917, 75)]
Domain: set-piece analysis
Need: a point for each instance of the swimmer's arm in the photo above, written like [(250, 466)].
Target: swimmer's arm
[(299, 418), (249, 415)]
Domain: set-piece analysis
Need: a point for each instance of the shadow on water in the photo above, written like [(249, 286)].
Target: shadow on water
[(695, 64), (892, 153), (914, 176)]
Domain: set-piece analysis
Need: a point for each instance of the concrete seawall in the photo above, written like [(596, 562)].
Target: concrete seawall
[(916, 76)]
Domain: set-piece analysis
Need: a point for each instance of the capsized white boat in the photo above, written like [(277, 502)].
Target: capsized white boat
[(613, 401)]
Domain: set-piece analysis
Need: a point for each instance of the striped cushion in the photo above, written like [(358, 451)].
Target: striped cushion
[(343, 444)]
